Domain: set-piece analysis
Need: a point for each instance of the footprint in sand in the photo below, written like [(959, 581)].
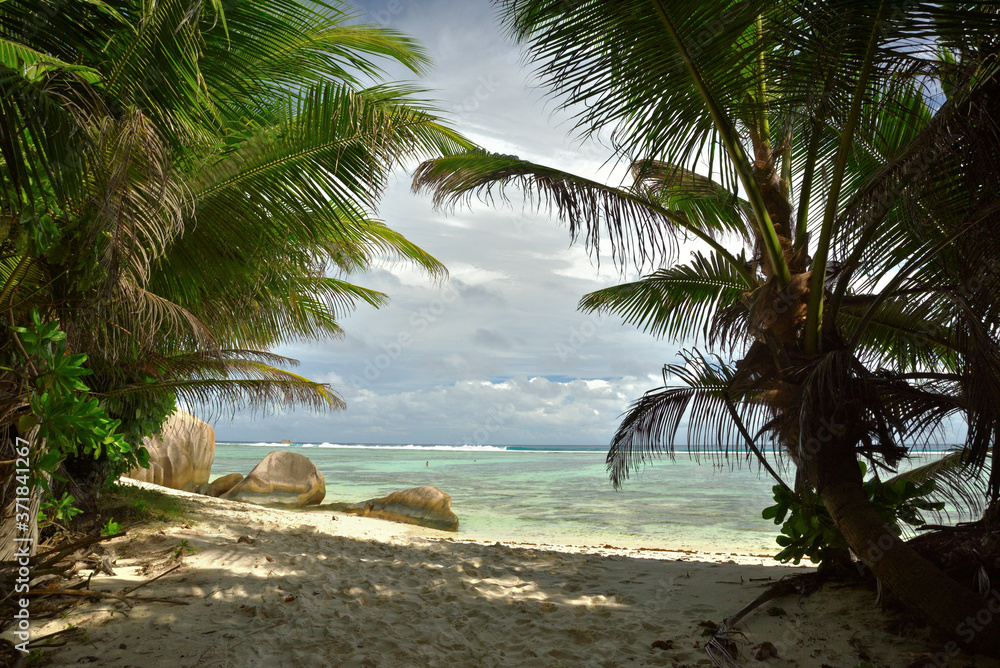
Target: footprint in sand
[(580, 636)]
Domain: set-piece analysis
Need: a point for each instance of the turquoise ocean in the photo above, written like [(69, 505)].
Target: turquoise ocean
[(557, 495)]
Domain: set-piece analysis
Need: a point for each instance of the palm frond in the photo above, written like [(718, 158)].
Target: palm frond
[(44, 139), (878, 227), (333, 153), (283, 46), (706, 392), (225, 387), (618, 69), (138, 204), (34, 64), (980, 387), (906, 334), (284, 311), (638, 228), (708, 204), (155, 67), (178, 178), (680, 302), (956, 484)]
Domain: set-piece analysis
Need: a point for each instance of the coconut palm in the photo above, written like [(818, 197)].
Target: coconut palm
[(186, 185), (835, 162)]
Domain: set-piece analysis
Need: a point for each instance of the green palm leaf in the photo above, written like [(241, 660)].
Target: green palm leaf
[(906, 335), (227, 386), (285, 46), (336, 146), (956, 483), (34, 64), (680, 302), (639, 228), (726, 410), (706, 203)]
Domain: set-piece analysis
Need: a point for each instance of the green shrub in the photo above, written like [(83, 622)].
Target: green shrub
[(70, 422), (61, 511), (111, 528), (808, 531)]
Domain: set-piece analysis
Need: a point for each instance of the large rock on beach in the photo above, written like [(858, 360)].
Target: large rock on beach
[(281, 477), (221, 485), (427, 506), (181, 456)]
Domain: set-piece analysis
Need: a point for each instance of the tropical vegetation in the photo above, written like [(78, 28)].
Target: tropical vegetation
[(837, 165), (183, 186)]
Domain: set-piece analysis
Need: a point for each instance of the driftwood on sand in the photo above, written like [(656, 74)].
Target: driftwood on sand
[(57, 584)]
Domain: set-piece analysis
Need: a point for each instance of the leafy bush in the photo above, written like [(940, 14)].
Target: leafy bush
[(70, 422), (111, 528), (61, 511), (808, 531)]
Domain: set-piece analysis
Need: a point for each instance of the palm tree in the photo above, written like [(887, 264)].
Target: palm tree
[(185, 186), (834, 160)]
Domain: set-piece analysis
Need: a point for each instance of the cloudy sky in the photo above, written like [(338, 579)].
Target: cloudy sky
[(497, 353)]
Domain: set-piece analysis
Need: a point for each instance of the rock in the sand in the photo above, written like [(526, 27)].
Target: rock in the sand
[(427, 506), (281, 477), (181, 456), (764, 651), (220, 486)]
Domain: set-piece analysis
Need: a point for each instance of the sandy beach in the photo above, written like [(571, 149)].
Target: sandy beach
[(327, 589)]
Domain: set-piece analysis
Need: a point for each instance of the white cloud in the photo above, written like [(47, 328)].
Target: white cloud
[(511, 411), (474, 275), (500, 344)]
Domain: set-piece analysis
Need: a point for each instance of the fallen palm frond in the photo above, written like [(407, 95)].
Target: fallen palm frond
[(56, 584), (127, 600), (969, 552), (58, 563), (723, 648)]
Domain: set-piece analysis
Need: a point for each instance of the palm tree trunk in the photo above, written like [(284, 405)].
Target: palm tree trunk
[(833, 470)]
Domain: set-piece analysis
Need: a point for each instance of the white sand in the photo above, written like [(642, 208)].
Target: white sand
[(337, 590)]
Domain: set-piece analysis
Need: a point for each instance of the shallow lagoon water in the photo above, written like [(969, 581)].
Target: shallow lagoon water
[(558, 496), (551, 496)]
